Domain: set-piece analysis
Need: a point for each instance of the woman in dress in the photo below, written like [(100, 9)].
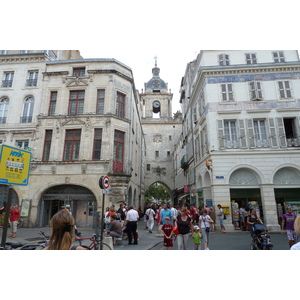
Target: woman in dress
[(185, 226), (204, 223), (63, 232)]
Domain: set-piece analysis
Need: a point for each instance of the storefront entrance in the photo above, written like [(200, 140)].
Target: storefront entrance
[(82, 202)]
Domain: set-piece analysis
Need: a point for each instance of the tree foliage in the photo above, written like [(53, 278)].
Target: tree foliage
[(157, 191)]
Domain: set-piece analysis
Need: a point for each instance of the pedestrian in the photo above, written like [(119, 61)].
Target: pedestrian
[(167, 230), (150, 213), (14, 217), (63, 232), (115, 229), (2, 214), (106, 218), (185, 226), (197, 238), (297, 229), (121, 213), (204, 223), (288, 220), (221, 218), (252, 219), (265, 240), (131, 225), (174, 213), (165, 212), (241, 214), (246, 214)]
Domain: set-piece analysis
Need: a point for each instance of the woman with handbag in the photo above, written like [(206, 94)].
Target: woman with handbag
[(185, 226), (204, 223)]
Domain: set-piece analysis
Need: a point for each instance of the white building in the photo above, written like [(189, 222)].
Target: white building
[(241, 131)]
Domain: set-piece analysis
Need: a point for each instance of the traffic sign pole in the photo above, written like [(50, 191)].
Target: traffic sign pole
[(104, 184)]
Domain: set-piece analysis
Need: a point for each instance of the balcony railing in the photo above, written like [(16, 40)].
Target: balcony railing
[(293, 142), (31, 82), (120, 167), (7, 83), (262, 143), (27, 119)]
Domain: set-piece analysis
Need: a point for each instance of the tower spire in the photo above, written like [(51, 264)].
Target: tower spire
[(155, 57)]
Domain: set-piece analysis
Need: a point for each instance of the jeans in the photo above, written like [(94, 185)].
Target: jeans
[(183, 240)]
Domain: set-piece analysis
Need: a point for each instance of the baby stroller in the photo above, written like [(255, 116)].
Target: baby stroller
[(256, 237)]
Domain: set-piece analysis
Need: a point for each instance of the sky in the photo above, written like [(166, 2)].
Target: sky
[(133, 32)]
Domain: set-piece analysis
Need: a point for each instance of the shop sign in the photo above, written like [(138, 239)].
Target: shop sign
[(186, 188)]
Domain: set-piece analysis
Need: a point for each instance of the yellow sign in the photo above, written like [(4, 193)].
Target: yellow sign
[(14, 165)]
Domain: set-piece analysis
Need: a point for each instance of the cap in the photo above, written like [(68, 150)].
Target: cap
[(196, 227)]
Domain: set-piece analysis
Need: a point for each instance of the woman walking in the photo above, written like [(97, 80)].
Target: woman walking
[(185, 226), (204, 223)]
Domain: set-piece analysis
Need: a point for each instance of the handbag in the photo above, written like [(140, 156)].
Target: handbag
[(175, 230)]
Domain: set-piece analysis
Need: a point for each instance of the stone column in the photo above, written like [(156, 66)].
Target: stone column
[(269, 207), (221, 195)]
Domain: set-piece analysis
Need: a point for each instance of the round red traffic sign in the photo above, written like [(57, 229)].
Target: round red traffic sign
[(106, 182)]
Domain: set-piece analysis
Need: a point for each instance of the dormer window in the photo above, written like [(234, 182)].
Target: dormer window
[(223, 59), (78, 72), (278, 56)]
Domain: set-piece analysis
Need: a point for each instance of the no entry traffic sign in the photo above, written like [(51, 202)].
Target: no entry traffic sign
[(104, 182)]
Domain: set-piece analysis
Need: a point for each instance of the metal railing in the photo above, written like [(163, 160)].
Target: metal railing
[(7, 83), (31, 82), (26, 119), (120, 167)]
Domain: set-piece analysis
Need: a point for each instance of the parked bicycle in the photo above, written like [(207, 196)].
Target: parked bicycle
[(95, 242), (20, 223)]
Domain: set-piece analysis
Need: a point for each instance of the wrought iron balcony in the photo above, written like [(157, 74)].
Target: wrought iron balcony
[(31, 82), (7, 83), (293, 142), (26, 119), (120, 167)]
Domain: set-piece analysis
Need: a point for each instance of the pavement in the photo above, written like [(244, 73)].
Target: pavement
[(236, 240)]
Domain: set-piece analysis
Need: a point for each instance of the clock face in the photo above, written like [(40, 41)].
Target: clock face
[(156, 104)]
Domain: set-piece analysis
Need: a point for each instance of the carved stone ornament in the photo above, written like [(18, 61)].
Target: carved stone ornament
[(157, 138)]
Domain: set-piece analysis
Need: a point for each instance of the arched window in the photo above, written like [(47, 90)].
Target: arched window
[(27, 110), (3, 110)]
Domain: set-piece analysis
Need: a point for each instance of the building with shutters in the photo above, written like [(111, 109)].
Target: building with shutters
[(241, 132)]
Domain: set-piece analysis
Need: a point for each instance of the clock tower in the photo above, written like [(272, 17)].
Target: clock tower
[(161, 132), (156, 100)]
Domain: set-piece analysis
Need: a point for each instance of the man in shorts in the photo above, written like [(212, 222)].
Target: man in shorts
[(221, 218), (288, 221)]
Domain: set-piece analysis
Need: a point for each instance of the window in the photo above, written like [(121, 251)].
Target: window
[(118, 159), (251, 58), (76, 103), (100, 102), (278, 56), (148, 167), (72, 144), (120, 105), (3, 110), (255, 90), (156, 153), (97, 144), (8, 79), (78, 72), (227, 93), (291, 132), (3, 52), (24, 51), (230, 134), (260, 133), (22, 144), (170, 138), (27, 110), (32, 78), (52, 105), (47, 145), (224, 60), (168, 153), (284, 89)]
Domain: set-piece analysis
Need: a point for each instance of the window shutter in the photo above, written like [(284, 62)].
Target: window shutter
[(221, 135), (259, 92), (281, 132), (250, 130), (243, 142), (272, 131)]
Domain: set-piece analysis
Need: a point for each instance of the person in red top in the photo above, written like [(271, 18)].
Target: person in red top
[(167, 230), (14, 217)]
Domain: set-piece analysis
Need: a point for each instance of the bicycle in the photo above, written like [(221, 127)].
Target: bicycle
[(20, 223), (95, 242)]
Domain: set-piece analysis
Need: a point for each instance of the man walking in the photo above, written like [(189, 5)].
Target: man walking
[(166, 212), (288, 221), (131, 224), (150, 213)]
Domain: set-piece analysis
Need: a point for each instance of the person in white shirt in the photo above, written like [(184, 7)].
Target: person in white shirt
[(150, 213), (174, 213), (131, 224)]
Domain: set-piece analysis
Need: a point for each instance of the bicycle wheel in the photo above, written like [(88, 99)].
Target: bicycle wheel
[(104, 244), (20, 223), (86, 247)]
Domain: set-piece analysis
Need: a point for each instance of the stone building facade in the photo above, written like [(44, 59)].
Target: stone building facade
[(82, 120), (241, 132)]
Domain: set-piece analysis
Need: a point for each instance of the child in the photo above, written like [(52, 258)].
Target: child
[(197, 236), (167, 230), (265, 240)]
